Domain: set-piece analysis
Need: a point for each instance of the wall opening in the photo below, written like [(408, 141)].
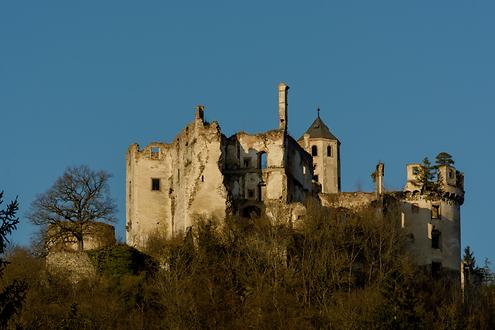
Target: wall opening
[(435, 211), (314, 151), (329, 151), (155, 152), (435, 239), (155, 184), (250, 193), (315, 178), (436, 267), (247, 162), (262, 160), (251, 211)]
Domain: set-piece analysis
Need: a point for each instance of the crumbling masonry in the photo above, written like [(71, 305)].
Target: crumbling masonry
[(204, 173)]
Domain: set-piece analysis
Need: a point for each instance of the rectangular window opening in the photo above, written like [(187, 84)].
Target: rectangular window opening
[(435, 211), (250, 193), (155, 184), (314, 151), (415, 170), (435, 239), (436, 268)]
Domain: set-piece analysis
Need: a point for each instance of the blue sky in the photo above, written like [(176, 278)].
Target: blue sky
[(395, 80)]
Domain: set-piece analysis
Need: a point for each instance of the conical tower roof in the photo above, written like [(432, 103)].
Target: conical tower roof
[(318, 129)]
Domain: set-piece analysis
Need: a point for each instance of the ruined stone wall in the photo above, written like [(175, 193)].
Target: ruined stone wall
[(255, 168), (426, 214), (190, 183), (76, 266), (299, 171), (348, 200), (420, 223), (96, 235)]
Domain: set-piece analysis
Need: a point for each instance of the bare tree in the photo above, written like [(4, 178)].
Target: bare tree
[(78, 199)]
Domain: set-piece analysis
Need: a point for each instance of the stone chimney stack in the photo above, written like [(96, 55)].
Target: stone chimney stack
[(282, 106), (380, 172), (200, 114)]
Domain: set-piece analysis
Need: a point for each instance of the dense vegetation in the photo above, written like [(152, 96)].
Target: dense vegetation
[(332, 270)]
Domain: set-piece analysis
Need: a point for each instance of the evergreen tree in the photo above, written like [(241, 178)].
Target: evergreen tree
[(469, 259), (444, 158), (13, 294), (426, 175)]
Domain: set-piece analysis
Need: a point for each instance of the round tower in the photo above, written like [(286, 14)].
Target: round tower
[(320, 143), (433, 218)]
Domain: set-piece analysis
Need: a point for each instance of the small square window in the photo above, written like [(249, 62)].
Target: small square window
[(155, 184), (250, 193), (247, 162), (436, 268), (435, 211), (315, 178), (415, 170)]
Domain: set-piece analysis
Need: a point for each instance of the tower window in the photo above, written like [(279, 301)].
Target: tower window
[(435, 211), (415, 170), (315, 177), (250, 193), (246, 162), (436, 267), (155, 184), (435, 239), (314, 151), (329, 151)]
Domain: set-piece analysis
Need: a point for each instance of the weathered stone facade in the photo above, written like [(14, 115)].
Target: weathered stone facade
[(204, 173)]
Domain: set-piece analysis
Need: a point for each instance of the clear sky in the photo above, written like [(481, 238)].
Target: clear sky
[(395, 80)]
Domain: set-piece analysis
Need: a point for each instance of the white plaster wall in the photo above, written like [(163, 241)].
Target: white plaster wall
[(420, 224), (327, 168), (191, 184)]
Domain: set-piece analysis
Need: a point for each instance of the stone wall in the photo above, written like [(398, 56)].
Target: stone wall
[(348, 200), (76, 266), (168, 185)]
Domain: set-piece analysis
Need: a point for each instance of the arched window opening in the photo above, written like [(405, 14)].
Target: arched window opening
[(314, 151), (262, 160), (329, 151)]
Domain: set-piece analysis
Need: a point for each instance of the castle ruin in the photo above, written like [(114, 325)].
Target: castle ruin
[(204, 173)]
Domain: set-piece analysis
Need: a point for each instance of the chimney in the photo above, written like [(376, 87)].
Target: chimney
[(282, 106), (380, 172), (200, 114)]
